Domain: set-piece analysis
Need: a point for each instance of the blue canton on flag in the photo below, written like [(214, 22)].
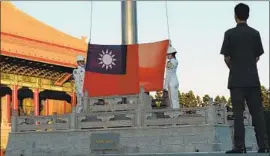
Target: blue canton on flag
[(106, 59)]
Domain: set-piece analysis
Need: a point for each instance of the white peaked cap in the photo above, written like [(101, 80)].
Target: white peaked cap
[(171, 50), (80, 58)]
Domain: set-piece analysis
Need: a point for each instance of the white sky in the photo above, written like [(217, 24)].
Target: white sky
[(196, 29)]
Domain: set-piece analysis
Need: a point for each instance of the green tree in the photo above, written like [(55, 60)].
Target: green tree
[(217, 99), (223, 99), (183, 99), (180, 99), (267, 105), (190, 99), (198, 100), (205, 100), (266, 97), (229, 102)]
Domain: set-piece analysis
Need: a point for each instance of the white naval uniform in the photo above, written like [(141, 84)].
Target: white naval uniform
[(78, 75), (171, 82)]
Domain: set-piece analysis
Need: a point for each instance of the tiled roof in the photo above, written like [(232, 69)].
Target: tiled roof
[(25, 37)]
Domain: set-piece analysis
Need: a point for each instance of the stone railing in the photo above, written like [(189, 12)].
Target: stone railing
[(42, 123), (247, 118), (135, 111)]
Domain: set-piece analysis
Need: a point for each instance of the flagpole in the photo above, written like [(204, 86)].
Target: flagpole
[(129, 22)]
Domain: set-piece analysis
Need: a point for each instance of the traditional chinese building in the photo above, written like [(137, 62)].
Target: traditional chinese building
[(36, 67)]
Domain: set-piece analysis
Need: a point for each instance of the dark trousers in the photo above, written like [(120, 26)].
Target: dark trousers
[(252, 97)]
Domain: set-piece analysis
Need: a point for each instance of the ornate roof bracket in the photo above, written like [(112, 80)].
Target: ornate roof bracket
[(34, 82), (62, 79)]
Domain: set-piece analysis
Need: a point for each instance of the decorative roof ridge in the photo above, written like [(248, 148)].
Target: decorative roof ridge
[(42, 42)]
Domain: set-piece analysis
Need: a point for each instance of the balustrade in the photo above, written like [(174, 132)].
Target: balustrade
[(134, 112)]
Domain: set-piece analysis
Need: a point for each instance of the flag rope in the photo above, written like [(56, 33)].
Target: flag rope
[(91, 21)]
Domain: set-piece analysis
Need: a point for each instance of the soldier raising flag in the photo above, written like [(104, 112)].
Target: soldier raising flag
[(171, 84), (78, 75)]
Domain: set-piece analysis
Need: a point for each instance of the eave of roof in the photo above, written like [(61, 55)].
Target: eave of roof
[(24, 37), (29, 50)]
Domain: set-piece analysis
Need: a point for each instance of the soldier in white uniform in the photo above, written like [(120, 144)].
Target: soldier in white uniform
[(171, 84), (78, 75)]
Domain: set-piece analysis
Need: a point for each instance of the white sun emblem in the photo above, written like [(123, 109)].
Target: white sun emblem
[(107, 59)]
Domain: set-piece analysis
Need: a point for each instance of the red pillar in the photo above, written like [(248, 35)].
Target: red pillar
[(47, 107), (8, 107), (15, 101), (73, 99), (2, 152), (36, 101)]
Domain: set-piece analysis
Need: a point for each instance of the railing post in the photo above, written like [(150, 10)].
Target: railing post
[(14, 121), (225, 114), (85, 102), (249, 118), (73, 119), (139, 111), (211, 113), (54, 117), (146, 101)]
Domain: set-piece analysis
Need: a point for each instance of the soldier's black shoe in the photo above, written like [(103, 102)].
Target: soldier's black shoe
[(263, 150), (236, 151)]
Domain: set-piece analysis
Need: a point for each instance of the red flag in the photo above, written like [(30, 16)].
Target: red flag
[(112, 70), (152, 59)]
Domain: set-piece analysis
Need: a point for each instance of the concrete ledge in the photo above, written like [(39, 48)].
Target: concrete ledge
[(193, 154), (53, 153)]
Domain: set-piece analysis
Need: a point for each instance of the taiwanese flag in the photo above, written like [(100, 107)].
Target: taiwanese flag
[(152, 60), (112, 70)]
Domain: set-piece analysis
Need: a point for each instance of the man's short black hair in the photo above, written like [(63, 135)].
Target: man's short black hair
[(241, 10)]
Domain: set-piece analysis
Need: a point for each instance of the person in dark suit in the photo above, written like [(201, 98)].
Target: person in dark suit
[(242, 48)]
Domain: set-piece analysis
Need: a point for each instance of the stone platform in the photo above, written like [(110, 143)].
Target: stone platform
[(191, 138), (140, 130)]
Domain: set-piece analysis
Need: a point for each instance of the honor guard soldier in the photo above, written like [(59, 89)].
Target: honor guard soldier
[(78, 75), (171, 82)]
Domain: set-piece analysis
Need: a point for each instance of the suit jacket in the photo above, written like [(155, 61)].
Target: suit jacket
[(243, 44)]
